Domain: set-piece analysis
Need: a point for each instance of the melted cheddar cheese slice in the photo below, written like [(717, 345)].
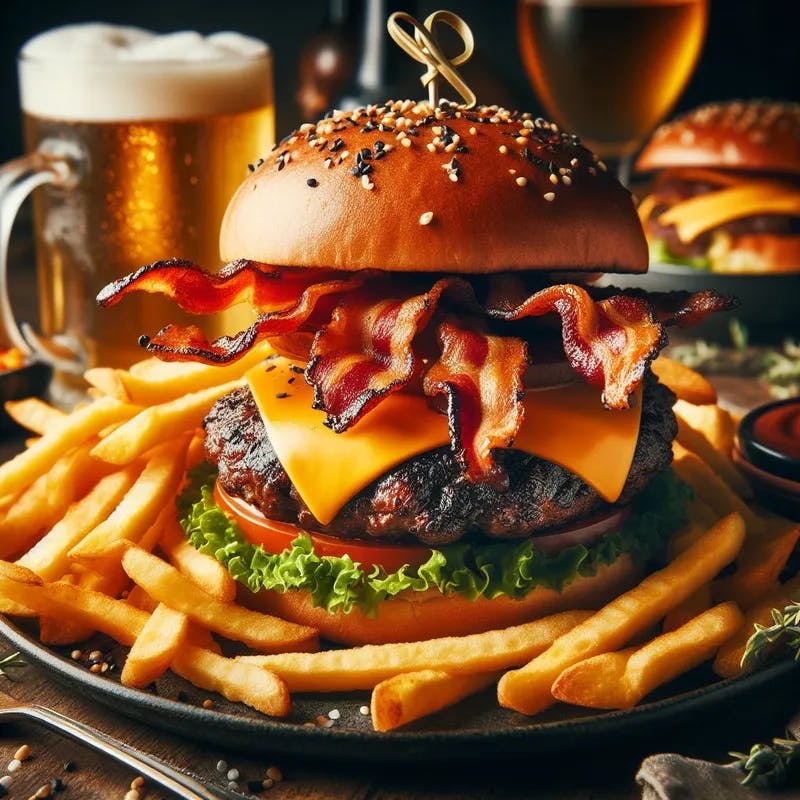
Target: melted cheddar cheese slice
[(567, 425)]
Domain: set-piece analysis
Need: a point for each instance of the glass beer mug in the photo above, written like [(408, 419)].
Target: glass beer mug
[(137, 142)]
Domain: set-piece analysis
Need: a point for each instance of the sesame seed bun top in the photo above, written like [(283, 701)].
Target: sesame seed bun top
[(411, 188), (761, 135)]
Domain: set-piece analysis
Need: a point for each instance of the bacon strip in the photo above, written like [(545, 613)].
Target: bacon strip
[(365, 352), (609, 342), (481, 376)]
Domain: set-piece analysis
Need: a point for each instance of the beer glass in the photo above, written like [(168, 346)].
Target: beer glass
[(137, 142), (610, 70)]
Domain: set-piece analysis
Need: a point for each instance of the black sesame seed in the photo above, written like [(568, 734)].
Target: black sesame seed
[(281, 164), (380, 154), (291, 380), (462, 148), (269, 368), (355, 170), (251, 167), (353, 122), (57, 785), (295, 368), (365, 169), (366, 153), (312, 182), (379, 145), (70, 766), (259, 162), (282, 395), (144, 341), (338, 144)]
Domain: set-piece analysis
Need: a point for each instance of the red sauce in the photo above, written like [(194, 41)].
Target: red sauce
[(779, 429)]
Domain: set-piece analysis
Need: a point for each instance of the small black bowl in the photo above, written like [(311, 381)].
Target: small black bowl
[(768, 304), (774, 472), (29, 380)]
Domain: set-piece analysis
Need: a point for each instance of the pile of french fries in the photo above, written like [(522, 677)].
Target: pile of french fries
[(90, 542)]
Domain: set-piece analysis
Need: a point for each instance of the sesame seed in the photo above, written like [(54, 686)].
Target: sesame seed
[(208, 703), (521, 181), (473, 130), (367, 183), (549, 196), (406, 142), (312, 182), (137, 782), (364, 711), (553, 178), (566, 180), (426, 218), (453, 176), (23, 753), (602, 166), (274, 774), (334, 713), (222, 766), (95, 668), (512, 172), (13, 765), (233, 774), (43, 791), (267, 783), (503, 149), (521, 140), (431, 147), (343, 155), (574, 162), (327, 163), (132, 794)]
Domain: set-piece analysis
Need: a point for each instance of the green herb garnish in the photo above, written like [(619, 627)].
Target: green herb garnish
[(785, 628), (770, 765)]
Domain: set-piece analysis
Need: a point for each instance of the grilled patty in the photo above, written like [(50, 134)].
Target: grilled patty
[(426, 498)]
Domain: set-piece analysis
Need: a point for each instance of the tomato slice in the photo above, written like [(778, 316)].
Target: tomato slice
[(277, 536)]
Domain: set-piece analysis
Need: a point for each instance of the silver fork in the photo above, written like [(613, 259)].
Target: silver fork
[(180, 783)]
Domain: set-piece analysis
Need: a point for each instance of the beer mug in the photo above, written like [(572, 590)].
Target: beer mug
[(136, 142)]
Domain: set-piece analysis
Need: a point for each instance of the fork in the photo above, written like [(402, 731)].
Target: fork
[(182, 784)]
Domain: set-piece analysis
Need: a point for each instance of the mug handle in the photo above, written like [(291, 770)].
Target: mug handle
[(58, 163)]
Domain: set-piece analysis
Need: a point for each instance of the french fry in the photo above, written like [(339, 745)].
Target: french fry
[(234, 680), (528, 689), (150, 382), (59, 600), (411, 695), (153, 490), (701, 518), (34, 414), (711, 488), (60, 632), (107, 382), (621, 680), (196, 453), (85, 423), (365, 667), (48, 557), (155, 647), (694, 605), (759, 564), (262, 632), (728, 663), (715, 423), (687, 384), (157, 423), (47, 499), (697, 443), (204, 571), (138, 597)]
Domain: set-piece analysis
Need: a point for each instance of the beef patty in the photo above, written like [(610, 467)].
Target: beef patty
[(425, 498)]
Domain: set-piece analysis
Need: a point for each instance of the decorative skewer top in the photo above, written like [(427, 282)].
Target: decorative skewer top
[(424, 47)]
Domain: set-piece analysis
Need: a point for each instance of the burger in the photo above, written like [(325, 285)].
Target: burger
[(454, 431), (726, 194)]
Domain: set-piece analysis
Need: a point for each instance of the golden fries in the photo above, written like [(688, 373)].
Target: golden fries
[(260, 631), (621, 680), (365, 667), (711, 488), (694, 605), (32, 463), (687, 384), (528, 689), (34, 414), (234, 680), (411, 695), (713, 422), (157, 423), (153, 490), (155, 647), (205, 571)]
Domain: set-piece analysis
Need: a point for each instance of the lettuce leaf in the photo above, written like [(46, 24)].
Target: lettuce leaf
[(471, 569), (661, 254)]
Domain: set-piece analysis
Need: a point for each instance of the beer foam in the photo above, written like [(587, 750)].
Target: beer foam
[(95, 72)]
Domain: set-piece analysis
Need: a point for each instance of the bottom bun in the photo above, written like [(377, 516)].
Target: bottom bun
[(756, 253), (413, 616)]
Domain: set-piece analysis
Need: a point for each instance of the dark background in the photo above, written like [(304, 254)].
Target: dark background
[(751, 49)]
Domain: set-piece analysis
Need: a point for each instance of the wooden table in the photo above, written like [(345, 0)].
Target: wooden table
[(607, 775)]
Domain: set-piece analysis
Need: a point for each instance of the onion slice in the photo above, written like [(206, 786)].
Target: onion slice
[(583, 531)]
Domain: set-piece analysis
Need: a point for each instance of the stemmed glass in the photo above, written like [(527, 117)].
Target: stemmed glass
[(610, 70)]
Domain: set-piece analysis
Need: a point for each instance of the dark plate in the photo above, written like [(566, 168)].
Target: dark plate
[(769, 308), (476, 730)]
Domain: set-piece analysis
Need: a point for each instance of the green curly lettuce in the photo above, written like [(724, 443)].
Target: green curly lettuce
[(510, 568), (661, 254)]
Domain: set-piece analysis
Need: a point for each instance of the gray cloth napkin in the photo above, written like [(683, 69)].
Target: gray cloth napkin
[(669, 776)]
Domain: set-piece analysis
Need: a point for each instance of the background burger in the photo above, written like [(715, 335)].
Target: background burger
[(726, 194), (457, 432)]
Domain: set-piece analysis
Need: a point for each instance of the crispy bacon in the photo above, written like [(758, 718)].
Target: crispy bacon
[(365, 352), (481, 377), (609, 343)]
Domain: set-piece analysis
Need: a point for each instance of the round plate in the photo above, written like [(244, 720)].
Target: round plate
[(476, 729), (768, 302)]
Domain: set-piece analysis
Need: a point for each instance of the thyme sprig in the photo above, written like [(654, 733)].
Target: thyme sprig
[(771, 765), (785, 628)]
